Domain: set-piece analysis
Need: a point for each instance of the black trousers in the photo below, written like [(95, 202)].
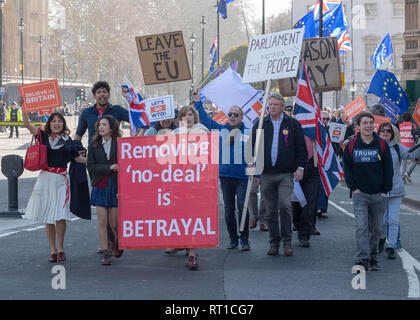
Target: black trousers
[(17, 131), (304, 218)]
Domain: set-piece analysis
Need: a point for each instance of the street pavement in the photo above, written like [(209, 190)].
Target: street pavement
[(323, 271)]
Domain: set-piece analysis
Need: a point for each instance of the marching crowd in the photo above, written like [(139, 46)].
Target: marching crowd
[(371, 163)]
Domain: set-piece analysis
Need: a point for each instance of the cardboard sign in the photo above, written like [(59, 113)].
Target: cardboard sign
[(168, 191), (163, 58), (44, 95), (160, 108), (337, 131), (273, 56), (354, 108), (379, 120), (323, 63), (416, 113), (221, 118), (391, 110)]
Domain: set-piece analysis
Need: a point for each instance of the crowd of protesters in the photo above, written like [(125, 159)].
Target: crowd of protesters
[(375, 170)]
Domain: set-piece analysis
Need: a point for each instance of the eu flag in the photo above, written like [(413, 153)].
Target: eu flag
[(221, 8), (382, 51), (385, 84), (309, 23)]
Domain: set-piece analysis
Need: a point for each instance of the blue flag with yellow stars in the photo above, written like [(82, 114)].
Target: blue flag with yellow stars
[(385, 84), (309, 23)]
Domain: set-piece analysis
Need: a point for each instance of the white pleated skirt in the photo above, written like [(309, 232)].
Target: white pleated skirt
[(46, 204)]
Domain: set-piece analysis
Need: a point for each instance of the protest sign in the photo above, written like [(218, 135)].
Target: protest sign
[(273, 56), (221, 118), (163, 58), (354, 108), (168, 191), (44, 96), (322, 61), (337, 131), (379, 120), (160, 108), (416, 113), (391, 110)]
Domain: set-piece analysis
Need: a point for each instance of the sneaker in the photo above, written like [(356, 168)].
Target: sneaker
[(274, 251), (106, 260), (304, 243), (381, 245), (232, 245), (245, 245), (373, 264), (288, 250), (253, 223), (391, 253), (364, 264)]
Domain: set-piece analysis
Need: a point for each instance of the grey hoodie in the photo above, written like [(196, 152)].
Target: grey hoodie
[(398, 189)]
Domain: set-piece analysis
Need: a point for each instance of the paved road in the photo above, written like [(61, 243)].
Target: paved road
[(320, 272)]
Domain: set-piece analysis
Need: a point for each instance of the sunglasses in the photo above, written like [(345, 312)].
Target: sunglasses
[(386, 130), (235, 114), (326, 119)]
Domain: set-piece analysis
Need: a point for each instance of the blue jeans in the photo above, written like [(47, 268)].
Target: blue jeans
[(322, 200), (231, 188), (391, 221)]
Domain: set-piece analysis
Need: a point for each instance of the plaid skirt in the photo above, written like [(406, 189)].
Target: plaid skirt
[(107, 197)]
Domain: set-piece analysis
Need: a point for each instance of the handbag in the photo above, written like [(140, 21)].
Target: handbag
[(36, 155)]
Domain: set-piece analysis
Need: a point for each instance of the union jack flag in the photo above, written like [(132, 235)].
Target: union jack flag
[(327, 6), (137, 109), (307, 112)]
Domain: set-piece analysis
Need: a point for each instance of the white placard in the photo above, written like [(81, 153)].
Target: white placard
[(337, 131), (273, 56), (160, 108)]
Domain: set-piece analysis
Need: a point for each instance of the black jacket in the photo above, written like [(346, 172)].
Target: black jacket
[(368, 169), (291, 147), (98, 165), (79, 187)]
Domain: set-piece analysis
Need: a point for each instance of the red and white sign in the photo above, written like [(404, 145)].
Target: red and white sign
[(354, 108), (168, 191), (160, 108), (416, 113), (221, 118), (44, 96), (379, 120)]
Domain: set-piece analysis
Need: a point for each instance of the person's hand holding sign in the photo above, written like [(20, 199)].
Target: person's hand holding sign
[(196, 95), (298, 175), (114, 167)]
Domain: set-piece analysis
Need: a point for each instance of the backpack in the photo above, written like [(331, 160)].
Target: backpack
[(381, 145), (397, 148)]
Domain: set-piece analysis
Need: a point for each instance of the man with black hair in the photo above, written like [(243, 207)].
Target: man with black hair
[(368, 173), (101, 93)]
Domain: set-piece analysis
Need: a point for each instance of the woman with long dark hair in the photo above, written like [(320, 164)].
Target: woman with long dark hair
[(50, 199), (102, 166)]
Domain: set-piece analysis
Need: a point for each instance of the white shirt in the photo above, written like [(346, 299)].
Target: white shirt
[(107, 147)]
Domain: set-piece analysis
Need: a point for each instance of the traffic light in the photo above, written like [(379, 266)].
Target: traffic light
[(78, 94)]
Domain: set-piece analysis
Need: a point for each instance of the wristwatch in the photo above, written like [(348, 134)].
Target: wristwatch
[(301, 168)]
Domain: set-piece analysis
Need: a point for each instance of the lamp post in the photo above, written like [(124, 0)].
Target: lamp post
[(2, 3), (40, 42), (63, 55), (192, 38), (21, 28), (203, 23)]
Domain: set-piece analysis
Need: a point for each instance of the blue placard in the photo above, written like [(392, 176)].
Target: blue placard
[(391, 110)]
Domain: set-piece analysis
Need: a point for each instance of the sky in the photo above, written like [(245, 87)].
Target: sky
[(271, 6)]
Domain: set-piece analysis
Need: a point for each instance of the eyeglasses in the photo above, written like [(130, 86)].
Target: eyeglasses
[(386, 130), (235, 114)]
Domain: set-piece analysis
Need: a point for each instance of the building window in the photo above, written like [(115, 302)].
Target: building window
[(369, 49), (398, 8), (411, 44), (410, 65), (370, 10)]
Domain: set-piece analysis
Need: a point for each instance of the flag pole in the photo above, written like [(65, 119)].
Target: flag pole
[(256, 149)]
